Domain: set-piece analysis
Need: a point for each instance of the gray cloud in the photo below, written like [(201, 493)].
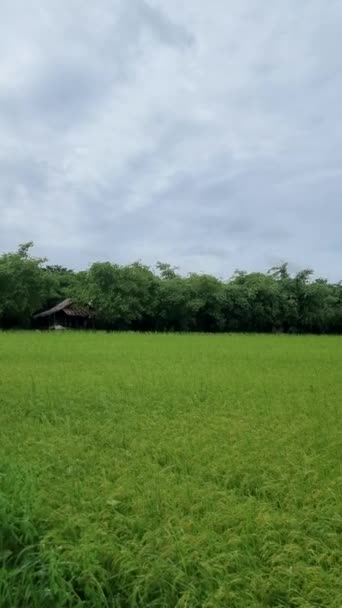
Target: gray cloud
[(206, 137)]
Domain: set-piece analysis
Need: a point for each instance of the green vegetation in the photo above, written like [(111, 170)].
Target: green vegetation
[(134, 297), (168, 471)]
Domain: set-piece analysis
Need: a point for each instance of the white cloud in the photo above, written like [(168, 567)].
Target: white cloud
[(205, 134)]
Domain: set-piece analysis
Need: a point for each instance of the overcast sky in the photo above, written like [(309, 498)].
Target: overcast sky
[(204, 133)]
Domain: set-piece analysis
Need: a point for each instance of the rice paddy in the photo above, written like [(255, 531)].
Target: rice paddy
[(170, 471)]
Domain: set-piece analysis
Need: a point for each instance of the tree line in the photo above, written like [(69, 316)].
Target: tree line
[(135, 297)]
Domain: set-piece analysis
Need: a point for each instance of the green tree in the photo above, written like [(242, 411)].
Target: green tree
[(205, 302), (173, 311), (24, 286), (63, 284), (134, 297), (123, 296)]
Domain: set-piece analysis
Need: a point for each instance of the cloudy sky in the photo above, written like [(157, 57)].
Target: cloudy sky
[(205, 133)]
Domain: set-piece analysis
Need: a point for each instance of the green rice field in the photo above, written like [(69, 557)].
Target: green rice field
[(170, 471)]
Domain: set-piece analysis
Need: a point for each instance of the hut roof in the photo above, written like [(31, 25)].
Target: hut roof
[(68, 307)]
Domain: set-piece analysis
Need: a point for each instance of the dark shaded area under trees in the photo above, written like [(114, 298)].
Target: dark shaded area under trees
[(134, 297)]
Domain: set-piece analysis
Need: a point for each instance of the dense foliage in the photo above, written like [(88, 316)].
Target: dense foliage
[(138, 298)]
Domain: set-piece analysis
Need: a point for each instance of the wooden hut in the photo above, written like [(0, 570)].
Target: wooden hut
[(65, 315)]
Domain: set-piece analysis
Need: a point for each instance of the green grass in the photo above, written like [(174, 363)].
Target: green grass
[(170, 471)]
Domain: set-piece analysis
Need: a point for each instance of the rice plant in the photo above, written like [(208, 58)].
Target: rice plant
[(170, 471)]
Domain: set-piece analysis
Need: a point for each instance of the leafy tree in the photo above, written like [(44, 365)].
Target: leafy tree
[(134, 297), (23, 286), (166, 271), (173, 311), (63, 282), (123, 296), (206, 297)]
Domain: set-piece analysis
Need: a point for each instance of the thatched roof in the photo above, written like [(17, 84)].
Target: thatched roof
[(68, 307)]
